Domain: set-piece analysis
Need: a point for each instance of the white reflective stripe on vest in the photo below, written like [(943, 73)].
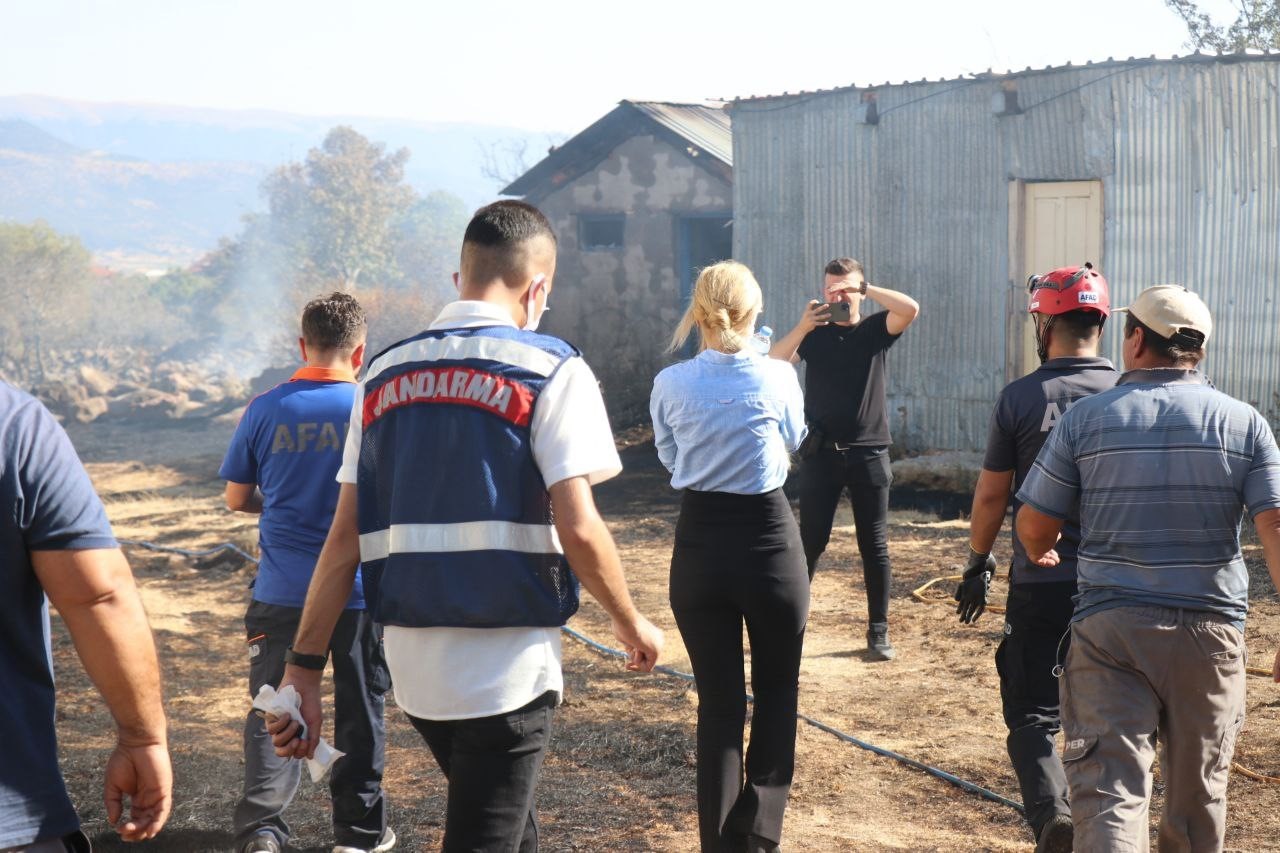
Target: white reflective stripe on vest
[(464, 536), (470, 346)]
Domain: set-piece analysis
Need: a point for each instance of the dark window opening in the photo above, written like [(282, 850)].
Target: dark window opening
[(701, 240), (600, 231)]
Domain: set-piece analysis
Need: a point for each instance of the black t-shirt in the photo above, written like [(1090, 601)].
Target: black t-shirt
[(1025, 412), (844, 381)]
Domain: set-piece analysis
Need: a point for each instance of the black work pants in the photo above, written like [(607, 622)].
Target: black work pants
[(865, 472), (492, 765), (737, 558), (1037, 617), (360, 680)]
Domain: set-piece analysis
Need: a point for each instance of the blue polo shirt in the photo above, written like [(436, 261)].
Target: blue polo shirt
[(289, 442), (46, 504), (1162, 469)]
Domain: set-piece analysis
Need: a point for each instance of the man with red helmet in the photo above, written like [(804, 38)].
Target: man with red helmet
[(1069, 307)]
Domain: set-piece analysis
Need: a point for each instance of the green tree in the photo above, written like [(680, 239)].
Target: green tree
[(189, 294), (45, 287), (336, 210), (342, 220), (429, 240), (1257, 25)]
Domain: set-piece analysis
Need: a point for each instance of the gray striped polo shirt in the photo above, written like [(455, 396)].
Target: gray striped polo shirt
[(1161, 468)]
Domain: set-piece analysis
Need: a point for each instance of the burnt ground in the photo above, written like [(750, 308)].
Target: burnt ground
[(620, 774)]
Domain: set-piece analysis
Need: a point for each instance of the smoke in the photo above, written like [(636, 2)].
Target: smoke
[(258, 317)]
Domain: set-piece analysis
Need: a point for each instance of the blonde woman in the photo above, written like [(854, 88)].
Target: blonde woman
[(724, 424)]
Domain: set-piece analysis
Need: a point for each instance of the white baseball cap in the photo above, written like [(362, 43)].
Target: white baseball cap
[(1168, 309)]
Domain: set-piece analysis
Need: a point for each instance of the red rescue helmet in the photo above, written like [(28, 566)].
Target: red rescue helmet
[(1069, 289)]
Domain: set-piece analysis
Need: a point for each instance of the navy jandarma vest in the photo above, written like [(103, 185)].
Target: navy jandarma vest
[(456, 528)]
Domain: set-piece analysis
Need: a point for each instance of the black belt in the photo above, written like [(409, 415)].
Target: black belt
[(839, 446)]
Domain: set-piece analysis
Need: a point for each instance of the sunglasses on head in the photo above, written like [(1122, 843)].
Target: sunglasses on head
[(1036, 282)]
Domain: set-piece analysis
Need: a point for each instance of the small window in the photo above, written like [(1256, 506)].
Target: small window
[(600, 231)]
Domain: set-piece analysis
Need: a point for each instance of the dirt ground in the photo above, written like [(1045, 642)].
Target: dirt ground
[(620, 774)]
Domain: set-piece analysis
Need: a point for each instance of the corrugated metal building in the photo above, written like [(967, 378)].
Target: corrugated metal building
[(954, 191), (640, 200)]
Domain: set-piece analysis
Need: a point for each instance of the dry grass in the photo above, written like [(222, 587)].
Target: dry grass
[(619, 774)]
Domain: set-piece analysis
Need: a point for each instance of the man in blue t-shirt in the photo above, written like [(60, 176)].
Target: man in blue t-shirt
[(282, 463), (55, 541)]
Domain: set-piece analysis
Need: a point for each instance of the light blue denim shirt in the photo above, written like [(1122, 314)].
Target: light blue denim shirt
[(727, 423)]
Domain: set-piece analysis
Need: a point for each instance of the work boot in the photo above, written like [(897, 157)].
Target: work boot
[(878, 642), (1056, 836)]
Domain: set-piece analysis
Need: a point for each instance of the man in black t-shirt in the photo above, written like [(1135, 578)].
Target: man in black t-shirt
[(1069, 307), (848, 444)]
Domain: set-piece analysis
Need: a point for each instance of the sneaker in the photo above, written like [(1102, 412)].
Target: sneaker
[(263, 842), (385, 843), (878, 642), (1056, 836)]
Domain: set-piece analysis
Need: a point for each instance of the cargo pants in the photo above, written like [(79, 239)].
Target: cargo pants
[(1140, 675), (1037, 615), (360, 679)]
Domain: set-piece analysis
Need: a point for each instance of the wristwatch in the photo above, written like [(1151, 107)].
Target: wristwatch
[(863, 289), (315, 662)]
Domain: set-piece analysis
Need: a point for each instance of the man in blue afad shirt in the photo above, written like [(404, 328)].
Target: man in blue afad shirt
[(55, 541), (1161, 468), (281, 464)]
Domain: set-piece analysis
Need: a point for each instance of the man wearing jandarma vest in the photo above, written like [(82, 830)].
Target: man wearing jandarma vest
[(466, 497)]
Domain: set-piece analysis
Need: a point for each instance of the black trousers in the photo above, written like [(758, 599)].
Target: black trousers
[(492, 765), (360, 680), (1037, 619), (865, 472), (737, 559)]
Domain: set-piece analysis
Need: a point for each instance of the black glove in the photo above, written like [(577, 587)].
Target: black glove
[(972, 591)]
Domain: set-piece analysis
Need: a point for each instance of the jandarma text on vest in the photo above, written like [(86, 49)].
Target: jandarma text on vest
[(459, 385)]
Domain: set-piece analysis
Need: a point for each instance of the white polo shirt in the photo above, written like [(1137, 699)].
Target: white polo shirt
[(464, 673)]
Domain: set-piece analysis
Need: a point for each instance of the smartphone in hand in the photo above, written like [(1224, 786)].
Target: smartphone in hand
[(839, 312)]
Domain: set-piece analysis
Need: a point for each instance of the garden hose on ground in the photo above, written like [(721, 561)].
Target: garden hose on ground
[(970, 787), (918, 594)]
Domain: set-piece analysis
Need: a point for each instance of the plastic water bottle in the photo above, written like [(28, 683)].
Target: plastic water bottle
[(762, 340)]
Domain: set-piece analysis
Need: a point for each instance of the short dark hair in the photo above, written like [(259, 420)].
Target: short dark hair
[(494, 241), (334, 322), (1178, 352), (1081, 325), (843, 266)]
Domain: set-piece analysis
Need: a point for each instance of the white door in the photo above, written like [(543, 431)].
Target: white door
[(1061, 227)]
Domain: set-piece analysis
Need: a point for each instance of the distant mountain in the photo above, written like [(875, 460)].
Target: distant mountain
[(445, 156), (25, 137), (164, 183), (131, 213)]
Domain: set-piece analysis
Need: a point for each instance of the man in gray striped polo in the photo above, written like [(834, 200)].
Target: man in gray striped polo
[(1161, 468)]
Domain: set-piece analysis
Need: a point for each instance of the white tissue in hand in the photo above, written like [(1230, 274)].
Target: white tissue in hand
[(287, 701)]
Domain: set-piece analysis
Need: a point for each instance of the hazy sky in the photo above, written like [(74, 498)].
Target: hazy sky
[(550, 65)]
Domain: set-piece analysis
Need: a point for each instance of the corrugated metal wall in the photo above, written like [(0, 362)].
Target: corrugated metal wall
[(1189, 155)]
